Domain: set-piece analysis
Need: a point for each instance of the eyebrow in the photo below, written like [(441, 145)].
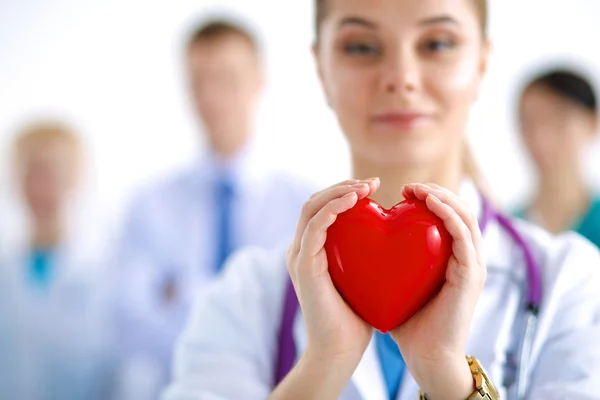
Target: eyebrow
[(357, 21), (439, 19)]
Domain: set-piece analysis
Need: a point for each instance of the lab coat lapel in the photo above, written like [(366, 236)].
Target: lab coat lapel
[(368, 378)]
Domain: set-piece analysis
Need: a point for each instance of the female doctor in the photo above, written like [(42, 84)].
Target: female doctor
[(401, 76)]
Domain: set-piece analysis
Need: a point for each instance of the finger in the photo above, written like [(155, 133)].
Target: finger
[(315, 234), (408, 191), (452, 199), (318, 201), (421, 191), (374, 184), (462, 246), (348, 182), (457, 204)]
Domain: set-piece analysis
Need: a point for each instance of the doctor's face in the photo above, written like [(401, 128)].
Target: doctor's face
[(401, 75), (225, 81), (556, 131), (48, 173)]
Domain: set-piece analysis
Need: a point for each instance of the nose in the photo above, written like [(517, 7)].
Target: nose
[(400, 73)]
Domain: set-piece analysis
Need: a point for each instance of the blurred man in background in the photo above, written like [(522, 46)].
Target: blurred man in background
[(54, 332), (179, 233)]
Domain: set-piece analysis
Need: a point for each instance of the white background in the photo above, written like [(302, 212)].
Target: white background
[(114, 69)]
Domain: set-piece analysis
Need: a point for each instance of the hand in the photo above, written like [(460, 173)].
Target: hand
[(433, 341), (335, 332), (337, 337)]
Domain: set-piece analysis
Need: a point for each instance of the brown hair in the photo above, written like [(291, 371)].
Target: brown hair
[(219, 28), (470, 165), (321, 10)]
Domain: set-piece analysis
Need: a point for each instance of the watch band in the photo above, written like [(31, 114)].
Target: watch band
[(484, 389)]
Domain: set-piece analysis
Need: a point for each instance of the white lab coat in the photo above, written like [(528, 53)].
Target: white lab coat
[(170, 235), (55, 343), (229, 348)]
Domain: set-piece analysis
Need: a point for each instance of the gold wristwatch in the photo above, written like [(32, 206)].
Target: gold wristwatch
[(484, 389)]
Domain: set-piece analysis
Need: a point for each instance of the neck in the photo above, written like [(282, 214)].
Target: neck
[(562, 198), (228, 141), (47, 232), (448, 173), (227, 152)]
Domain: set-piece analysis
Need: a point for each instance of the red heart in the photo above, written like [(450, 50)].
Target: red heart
[(387, 264)]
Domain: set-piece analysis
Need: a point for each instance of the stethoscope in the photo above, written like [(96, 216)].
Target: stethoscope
[(534, 294), (287, 348)]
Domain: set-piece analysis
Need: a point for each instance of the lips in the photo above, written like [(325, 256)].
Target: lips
[(401, 120)]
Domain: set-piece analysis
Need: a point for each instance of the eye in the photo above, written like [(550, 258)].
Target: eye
[(435, 46), (362, 49)]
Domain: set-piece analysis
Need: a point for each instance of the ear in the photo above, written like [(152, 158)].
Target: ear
[(594, 127), (486, 54), (484, 59), (318, 63)]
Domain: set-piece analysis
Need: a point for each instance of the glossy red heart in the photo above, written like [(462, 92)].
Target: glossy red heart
[(387, 264)]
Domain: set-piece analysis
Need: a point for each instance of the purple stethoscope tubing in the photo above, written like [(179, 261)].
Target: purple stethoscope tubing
[(534, 295), (287, 349)]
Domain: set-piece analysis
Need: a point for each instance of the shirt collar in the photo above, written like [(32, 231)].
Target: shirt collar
[(244, 168)]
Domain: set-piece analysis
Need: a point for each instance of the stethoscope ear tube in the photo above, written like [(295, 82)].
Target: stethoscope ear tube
[(531, 317), (534, 293)]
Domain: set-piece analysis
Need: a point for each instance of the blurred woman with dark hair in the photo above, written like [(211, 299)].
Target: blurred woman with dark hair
[(559, 121)]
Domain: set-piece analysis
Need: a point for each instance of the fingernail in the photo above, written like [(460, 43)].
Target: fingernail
[(434, 197), (348, 195), (360, 186)]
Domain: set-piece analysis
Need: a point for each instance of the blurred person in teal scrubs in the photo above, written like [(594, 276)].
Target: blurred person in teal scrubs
[(54, 336), (558, 115)]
